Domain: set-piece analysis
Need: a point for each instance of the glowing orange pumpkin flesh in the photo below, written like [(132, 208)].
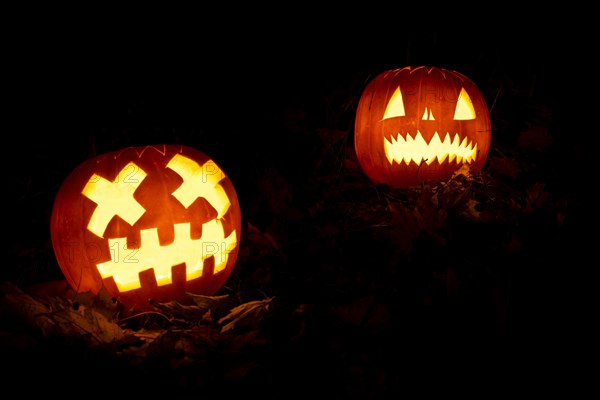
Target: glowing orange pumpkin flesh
[(147, 222), (419, 124)]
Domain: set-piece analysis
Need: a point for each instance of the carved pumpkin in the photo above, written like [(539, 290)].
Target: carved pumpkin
[(146, 223), (420, 124)]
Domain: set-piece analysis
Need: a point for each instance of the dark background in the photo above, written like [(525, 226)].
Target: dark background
[(230, 84), (243, 84), (239, 85)]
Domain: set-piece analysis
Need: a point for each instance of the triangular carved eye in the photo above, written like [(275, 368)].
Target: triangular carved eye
[(395, 107), (464, 107)]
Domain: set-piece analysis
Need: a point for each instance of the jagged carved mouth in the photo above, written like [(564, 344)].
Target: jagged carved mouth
[(417, 150), (125, 268)]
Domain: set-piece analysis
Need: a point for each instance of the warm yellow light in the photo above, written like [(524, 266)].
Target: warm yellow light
[(395, 107), (418, 150), (427, 115), (200, 181), (114, 198), (464, 107), (126, 264)]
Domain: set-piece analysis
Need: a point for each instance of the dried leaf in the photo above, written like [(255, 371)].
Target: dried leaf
[(246, 315), (58, 316), (87, 322), (176, 310), (471, 211), (206, 335), (536, 196), (464, 170), (210, 302), (33, 312)]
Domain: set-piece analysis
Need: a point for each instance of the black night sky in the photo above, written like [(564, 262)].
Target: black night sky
[(263, 97)]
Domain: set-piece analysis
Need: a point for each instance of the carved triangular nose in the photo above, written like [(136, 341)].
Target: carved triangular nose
[(427, 115)]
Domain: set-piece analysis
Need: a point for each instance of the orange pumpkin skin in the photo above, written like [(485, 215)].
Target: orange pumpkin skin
[(149, 222), (403, 113)]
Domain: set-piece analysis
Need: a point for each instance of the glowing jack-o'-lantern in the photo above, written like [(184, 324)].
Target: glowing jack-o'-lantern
[(420, 124), (146, 223)]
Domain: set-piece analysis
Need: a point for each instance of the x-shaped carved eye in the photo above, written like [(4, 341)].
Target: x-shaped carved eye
[(116, 197)]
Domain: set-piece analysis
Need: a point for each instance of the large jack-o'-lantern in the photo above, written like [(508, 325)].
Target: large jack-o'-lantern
[(420, 124), (146, 223)]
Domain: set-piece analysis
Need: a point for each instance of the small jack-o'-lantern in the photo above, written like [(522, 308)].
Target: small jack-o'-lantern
[(146, 223), (420, 124)]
